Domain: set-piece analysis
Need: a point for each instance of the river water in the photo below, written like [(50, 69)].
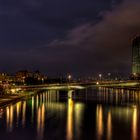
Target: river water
[(92, 114)]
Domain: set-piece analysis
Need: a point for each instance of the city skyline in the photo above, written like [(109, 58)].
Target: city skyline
[(90, 38)]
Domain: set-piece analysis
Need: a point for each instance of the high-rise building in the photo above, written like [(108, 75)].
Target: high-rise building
[(136, 57)]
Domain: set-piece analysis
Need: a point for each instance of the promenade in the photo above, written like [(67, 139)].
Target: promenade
[(7, 99)]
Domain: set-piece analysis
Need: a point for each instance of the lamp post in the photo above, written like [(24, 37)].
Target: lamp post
[(69, 78), (109, 74), (100, 76)]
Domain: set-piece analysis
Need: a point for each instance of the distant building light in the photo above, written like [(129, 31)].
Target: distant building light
[(100, 76), (69, 77), (97, 83), (134, 74)]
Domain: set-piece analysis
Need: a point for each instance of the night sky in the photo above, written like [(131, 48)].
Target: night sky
[(81, 37)]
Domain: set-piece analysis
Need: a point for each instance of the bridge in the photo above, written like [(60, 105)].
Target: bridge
[(73, 86), (69, 86)]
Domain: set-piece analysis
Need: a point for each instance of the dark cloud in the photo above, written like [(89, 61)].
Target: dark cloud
[(30, 22), (105, 46), (58, 37)]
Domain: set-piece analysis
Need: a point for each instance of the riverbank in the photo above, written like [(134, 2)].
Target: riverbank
[(7, 99), (13, 98)]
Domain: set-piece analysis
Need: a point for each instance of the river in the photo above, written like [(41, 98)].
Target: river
[(92, 114)]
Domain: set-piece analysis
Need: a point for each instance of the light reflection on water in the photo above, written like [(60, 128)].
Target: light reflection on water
[(134, 123), (40, 121), (45, 116), (99, 121), (109, 125), (70, 119), (116, 96), (24, 114)]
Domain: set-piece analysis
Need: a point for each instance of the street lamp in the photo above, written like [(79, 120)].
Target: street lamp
[(109, 74), (69, 77), (100, 76)]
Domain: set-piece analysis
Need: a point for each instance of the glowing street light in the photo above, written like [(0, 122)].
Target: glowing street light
[(134, 74), (100, 76), (109, 74), (69, 77), (97, 83)]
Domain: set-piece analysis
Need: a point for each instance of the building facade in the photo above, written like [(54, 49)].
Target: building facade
[(136, 57)]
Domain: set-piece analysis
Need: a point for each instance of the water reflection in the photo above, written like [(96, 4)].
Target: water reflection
[(33, 104), (78, 118), (24, 114), (99, 122), (117, 96), (45, 116), (40, 121), (9, 118), (18, 107), (70, 119), (109, 126), (74, 119), (37, 100), (134, 124), (125, 115)]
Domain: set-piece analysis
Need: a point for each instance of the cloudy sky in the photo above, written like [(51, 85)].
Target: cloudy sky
[(81, 37)]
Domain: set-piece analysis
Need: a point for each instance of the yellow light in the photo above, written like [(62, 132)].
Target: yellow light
[(97, 83), (40, 121), (134, 124), (70, 119), (134, 74), (24, 114), (69, 77), (13, 90), (18, 110), (109, 126), (99, 121)]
